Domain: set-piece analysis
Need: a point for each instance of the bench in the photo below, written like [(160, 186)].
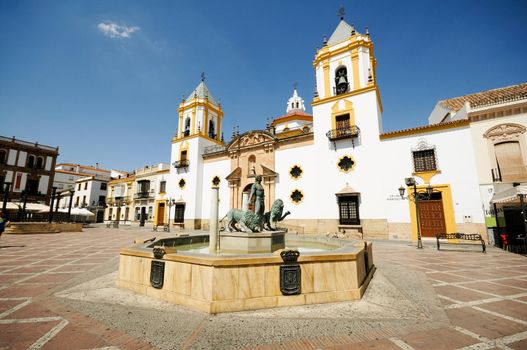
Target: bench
[(114, 224), (460, 236), (166, 227)]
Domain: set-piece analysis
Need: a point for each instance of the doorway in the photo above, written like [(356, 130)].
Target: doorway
[(160, 219), (432, 216), (143, 216)]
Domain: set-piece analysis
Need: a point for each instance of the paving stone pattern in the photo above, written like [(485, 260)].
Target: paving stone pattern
[(418, 299)]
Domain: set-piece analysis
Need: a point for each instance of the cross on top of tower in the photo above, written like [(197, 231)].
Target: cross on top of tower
[(295, 85), (341, 13)]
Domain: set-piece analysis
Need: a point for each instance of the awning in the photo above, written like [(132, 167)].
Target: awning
[(11, 206), (510, 195), (36, 207)]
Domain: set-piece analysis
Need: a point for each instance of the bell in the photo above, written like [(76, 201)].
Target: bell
[(342, 80)]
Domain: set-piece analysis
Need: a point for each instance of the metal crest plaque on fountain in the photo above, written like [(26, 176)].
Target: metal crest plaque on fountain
[(290, 274), (157, 274)]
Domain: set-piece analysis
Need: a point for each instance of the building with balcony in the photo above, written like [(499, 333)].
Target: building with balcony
[(139, 198), (28, 168)]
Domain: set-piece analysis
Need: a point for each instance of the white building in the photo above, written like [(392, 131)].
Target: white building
[(336, 170)]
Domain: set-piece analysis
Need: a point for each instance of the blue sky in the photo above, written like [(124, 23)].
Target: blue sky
[(103, 79)]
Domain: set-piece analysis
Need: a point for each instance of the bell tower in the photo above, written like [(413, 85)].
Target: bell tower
[(200, 115), (347, 103)]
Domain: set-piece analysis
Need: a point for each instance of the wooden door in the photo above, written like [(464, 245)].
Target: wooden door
[(431, 217), (160, 214)]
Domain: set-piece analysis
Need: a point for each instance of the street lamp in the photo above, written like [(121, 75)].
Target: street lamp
[(6, 195), (416, 197), (524, 216), (69, 207), (50, 216), (171, 203), (24, 201)]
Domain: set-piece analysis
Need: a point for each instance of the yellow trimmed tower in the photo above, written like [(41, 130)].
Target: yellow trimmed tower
[(199, 127)]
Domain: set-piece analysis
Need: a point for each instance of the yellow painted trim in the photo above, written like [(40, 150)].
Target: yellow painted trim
[(448, 208), (286, 118), (335, 112), (291, 199), (350, 169), (175, 139), (326, 53), (291, 168), (184, 183), (193, 127), (181, 126), (425, 129), (212, 183), (355, 67), (206, 122), (426, 176), (200, 102), (327, 90), (349, 94)]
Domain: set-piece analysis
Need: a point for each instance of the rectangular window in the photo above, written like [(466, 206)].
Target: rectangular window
[(77, 201), (349, 210), (83, 200), (162, 186), (104, 186), (85, 185), (79, 187), (424, 160), (18, 181)]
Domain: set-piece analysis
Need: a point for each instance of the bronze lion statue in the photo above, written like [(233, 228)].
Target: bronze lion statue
[(274, 215), (249, 221)]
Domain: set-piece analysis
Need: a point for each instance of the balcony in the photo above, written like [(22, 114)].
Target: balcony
[(118, 201), (349, 132), (144, 195), (184, 163)]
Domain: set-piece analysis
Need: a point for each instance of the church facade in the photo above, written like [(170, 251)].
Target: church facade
[(336, 170)]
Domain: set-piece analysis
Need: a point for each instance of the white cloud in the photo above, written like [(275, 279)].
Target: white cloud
[(113, 30)]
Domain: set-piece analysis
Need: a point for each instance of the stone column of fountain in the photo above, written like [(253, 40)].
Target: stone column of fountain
[(213, 220)]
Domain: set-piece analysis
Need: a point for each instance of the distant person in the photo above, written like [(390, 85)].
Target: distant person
[(4, 222)]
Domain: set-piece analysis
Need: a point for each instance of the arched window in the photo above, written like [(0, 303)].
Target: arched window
[(297, 105), (212, 131), (3, 156), (187, 127), (341, 80), (40, 162), (31, 161)]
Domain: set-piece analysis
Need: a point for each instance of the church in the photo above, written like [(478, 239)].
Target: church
[(337, 170)]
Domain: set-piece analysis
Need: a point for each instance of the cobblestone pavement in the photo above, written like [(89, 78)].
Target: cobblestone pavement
[(56, 292)]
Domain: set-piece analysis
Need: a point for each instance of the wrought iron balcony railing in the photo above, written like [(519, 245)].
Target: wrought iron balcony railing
[(184, 163), (343, 133), (143, 195)]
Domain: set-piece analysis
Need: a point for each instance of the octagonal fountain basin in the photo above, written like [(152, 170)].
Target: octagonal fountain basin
[(183, 272)]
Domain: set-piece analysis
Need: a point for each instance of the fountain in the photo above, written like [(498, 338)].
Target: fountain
[(254, 266)]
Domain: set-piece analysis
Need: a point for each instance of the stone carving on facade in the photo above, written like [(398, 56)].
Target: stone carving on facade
[(422, 145), (505, 132), (251, 139)]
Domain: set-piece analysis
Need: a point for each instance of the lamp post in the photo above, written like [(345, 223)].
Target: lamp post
[(6, 196), (69, 207), (171, 203), (524, 216), (416, 197), (57, 204), (50, 216), (24, 199)]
